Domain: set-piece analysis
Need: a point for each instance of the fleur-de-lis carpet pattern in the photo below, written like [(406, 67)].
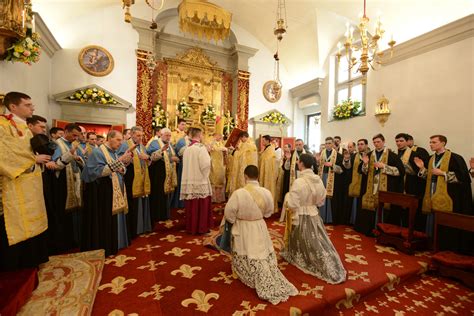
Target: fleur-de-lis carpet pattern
[(169, 272)]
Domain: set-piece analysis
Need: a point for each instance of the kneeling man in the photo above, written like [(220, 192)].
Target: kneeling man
[(253, 256)]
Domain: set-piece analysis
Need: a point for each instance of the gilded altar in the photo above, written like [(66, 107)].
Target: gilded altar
[(12, 22), (192, 77)]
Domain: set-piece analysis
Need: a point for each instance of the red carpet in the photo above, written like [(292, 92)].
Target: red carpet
[(171, 273), (15, 289)]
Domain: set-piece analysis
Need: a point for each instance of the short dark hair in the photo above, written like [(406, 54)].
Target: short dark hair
[(157, 129), (71, 127), (363, 140), (337, 137), (441, 138), (267, 137), (181, 121), (378, 136), (244, 134), (307, 160), (251, 171), (55, 130), (14, 98), (299, 140), (124, 131), (329, 138), (288, 144), (35, 119), (402, 135), (90, 133), (100, 136), (353, 143), (195, 131), (112, 133), (409, 137)]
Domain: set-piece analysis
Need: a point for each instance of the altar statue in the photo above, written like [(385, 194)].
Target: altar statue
[(195, 96)]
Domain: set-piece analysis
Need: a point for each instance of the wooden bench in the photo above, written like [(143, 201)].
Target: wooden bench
[(448, 263), (404, 239)]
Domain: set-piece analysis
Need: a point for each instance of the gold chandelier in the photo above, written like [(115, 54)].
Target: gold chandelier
[(204, 19), (368, 47)]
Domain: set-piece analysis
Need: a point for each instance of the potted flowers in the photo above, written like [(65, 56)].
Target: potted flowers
[(346, 109), (183, 109)]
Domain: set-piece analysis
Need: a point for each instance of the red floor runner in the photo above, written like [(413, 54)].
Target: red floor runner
[(171, 273)]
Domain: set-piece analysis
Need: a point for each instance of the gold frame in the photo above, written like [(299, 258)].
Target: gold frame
[(3, 108), (265, 92), (92, 72)]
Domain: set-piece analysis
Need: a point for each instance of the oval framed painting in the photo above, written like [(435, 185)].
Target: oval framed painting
[(272, 91), (96, 61)]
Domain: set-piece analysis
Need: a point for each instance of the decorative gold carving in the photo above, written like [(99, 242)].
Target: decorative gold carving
[(382, 111), (195, 56)]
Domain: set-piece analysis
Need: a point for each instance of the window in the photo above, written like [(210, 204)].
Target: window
[(348, 83), (313, 131)]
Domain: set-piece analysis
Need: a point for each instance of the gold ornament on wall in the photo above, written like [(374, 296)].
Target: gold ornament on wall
[(2, 107), (96, 61), (382, 111)]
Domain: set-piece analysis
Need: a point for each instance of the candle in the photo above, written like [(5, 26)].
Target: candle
[(339, 47), (23, 18), (351, 32), (33, 23)]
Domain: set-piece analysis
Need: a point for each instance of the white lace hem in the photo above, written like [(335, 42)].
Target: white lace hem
[(195, 191)]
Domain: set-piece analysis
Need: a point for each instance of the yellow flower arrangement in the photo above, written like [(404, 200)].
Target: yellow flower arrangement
[(93, 95), (275, 117), (346, 109)]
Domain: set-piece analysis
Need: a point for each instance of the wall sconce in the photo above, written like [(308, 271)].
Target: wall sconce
[(382, 111)]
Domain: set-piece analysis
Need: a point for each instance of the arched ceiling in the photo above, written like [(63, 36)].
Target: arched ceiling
[(314, 26)]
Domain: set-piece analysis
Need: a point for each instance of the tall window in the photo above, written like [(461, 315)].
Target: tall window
[(349, 82), (313, 131)]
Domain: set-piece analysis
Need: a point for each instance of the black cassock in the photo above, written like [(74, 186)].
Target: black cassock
[(99, 228), (347, 201), (132, 215), (365, 219), (60, 222), (461, 195), (415, 185), (159, 210)]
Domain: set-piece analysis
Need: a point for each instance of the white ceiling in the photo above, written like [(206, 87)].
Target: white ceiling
[(314, 26)]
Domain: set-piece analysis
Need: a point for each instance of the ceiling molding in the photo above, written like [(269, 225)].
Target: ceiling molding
[(47, 41), (445, 35)]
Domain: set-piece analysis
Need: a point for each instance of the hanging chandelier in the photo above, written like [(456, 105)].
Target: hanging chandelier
[(281, 25), (204, 19), (126, 4), (370, 56)]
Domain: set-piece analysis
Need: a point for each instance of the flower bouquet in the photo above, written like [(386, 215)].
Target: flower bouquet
[(160, 117), (93, 95), (346, 109), (183, 109), (275, 117), (209, 114)]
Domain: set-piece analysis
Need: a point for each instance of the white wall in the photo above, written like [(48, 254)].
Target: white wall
[(261, 67), (431, 93), (33, 80), (103, 27)]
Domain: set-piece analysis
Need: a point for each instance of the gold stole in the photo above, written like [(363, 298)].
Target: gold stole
[(330, 180), (370, 201), (257, 197), (217, 174), (293, 168), (119, 198), (89, 149), (414, 148), (405, 160), (141, 179), (73, 182), (440, 201), (354, 187), (171, 180), (25, 216)]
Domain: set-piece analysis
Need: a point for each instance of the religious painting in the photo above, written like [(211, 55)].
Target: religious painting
[(233, 138), (288, 140), (96, 61), (272, 91)]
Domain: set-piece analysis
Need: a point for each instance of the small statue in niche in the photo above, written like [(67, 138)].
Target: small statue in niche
[(195, 96)]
